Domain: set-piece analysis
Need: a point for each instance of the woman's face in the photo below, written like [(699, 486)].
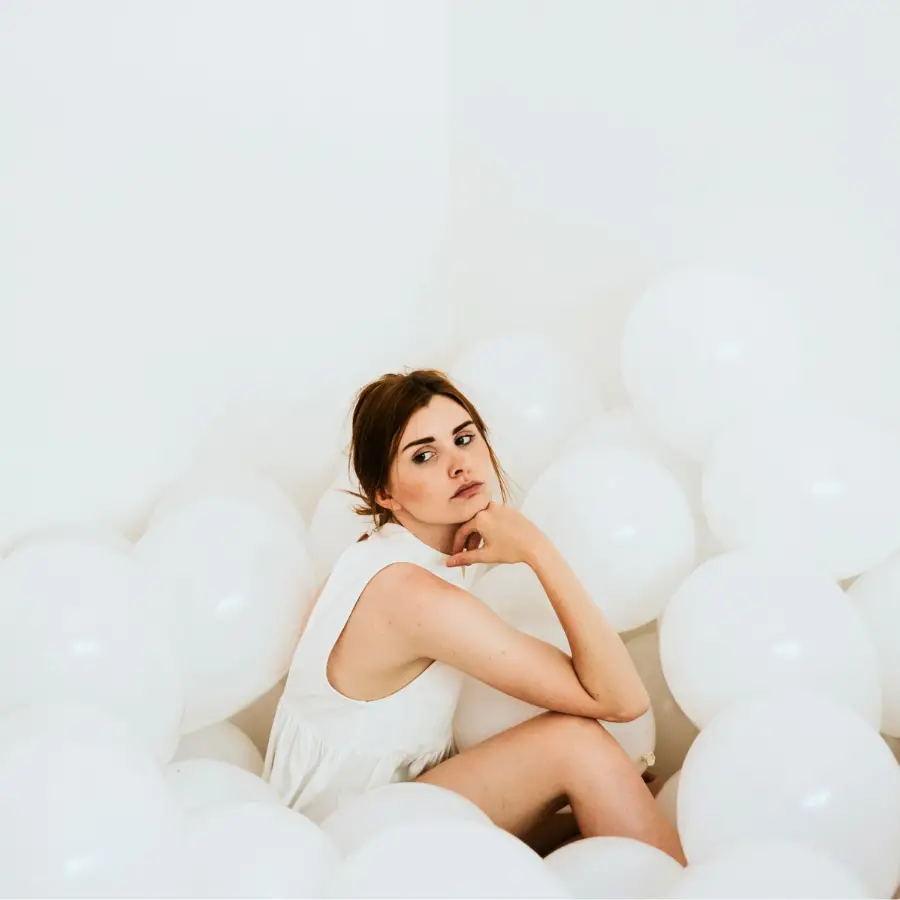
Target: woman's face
[(440, 450)]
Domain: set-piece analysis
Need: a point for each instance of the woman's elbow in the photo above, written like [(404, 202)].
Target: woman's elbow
[(627, 710)]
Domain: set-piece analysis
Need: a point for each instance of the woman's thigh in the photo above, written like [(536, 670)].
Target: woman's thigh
[(514, 776)]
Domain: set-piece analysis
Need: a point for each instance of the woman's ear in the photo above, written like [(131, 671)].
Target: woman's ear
[(383, 499)]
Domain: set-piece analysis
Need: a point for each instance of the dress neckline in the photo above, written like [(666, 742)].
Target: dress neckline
[(425, 554)]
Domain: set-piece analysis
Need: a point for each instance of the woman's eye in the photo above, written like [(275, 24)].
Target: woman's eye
[(419, 458)]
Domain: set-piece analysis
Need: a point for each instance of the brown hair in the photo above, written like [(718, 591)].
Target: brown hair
[(381, 411)]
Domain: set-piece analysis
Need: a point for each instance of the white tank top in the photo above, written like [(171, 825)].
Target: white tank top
[(324, 746)]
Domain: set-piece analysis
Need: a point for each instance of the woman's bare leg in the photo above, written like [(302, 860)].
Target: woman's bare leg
[(522, 775)]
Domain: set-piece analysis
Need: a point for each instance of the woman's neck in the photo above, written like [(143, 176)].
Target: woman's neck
[(440, 536)]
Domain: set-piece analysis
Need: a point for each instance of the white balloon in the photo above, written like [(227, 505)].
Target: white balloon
[(257, 850), (223, 741), (448, 858), (71, 531), (367, 815), (234, 482), (79, 622), (876, 594), (822, 489), (614, 867), (200, 783), (675, 732), (701, 347), (621, 428), (741, 624), (515, 593), (667, 798), (530, 395), (794, 766), (767, 869), (624, 525), (83, 811), (240, 584), (335, 526)]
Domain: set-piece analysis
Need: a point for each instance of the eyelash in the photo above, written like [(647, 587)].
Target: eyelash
[(416, 457)]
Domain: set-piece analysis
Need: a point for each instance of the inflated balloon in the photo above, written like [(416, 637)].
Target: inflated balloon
[(703, 346), (876, 595), (84, 812), (223, 741), (624, 525), (675, 732), (667, 798), (515, 593), (450, 858), (741, 624), (794, 765), (80, 622), (363, 817), (621, 428), (821, 489), (530, 395), (257, 850), (200, 783), (767, 869), (613, 867), (71, 531), (235, 482), (334, 525), (240, 584)]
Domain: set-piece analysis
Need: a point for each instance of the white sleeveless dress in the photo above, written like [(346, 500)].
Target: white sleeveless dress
[(325, 747)]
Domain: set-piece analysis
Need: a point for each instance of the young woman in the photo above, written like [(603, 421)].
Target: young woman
[(375, 679)]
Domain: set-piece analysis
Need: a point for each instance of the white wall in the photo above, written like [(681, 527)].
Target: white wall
[(218, 218)]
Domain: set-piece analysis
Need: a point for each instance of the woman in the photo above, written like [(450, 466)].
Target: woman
[(375, 679)]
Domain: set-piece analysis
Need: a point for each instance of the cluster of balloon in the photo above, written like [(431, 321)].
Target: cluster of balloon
[(743, 536), (741, 529)]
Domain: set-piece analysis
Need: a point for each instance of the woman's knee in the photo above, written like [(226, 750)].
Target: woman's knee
[(577, 740)]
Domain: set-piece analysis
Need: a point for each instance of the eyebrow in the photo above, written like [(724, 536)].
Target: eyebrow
[(428, 440)]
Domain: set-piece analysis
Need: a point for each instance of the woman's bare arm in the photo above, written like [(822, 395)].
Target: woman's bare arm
[(437, 620)]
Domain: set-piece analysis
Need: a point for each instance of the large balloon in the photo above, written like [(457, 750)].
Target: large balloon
[(84, 812), (233, 481), (614, 867), (822, 489), (449, 858), (768, 869), (515, 593), (876, 594), (621, 428), (223, 741), (240, 583), (363, 817), (794, 766), (200, 783), (675, 732), (741, 624), (530, 394), (624, 525), (701, 347), (80, 622), (334, 525), (257, 849)]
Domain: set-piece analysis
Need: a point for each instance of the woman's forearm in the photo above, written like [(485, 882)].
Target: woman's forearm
[(601, 661)]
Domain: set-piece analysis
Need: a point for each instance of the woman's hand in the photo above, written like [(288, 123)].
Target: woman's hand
[(504, 535)]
